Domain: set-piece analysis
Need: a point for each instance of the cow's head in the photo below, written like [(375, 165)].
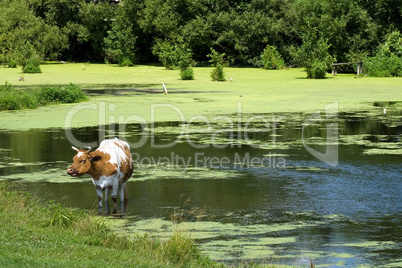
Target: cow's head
[(82, 162)]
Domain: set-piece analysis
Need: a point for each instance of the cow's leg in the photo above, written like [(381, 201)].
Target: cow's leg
[(115, 188), (107, 208), (122, 189), (99, 193)]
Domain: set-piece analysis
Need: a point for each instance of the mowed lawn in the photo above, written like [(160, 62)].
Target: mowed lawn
[(139, 96)]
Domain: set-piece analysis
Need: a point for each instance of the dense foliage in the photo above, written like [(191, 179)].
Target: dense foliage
[(16, 99), (129, 31), (271, 59), (218, 62), (388, 61), (12, 99), (32, 65)]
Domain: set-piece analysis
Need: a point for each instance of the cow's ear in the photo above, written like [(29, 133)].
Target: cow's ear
[(95, 158)]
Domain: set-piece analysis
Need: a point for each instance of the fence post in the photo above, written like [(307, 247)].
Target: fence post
[(359, 68)]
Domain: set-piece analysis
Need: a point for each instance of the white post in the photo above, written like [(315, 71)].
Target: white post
[(359, 68)]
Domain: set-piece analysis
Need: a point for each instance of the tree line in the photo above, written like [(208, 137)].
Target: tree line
[(309, 33)]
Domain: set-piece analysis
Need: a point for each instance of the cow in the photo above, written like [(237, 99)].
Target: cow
[(110, 166)]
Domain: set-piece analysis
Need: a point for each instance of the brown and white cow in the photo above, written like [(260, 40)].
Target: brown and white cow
[(110, 166)]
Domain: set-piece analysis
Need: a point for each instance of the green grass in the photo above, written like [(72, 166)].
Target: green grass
[(39, 234), (255, 90)]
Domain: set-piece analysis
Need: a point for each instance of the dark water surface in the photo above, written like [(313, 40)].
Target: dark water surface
[(246, 192)]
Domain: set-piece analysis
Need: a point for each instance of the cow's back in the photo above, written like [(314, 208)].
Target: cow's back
[(120, 156)]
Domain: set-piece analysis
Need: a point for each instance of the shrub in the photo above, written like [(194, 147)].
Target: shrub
[(383, 66), (174, 55), (27, 100), (217, 74), (125, 61), (392, 45), (6, 88), (218, 61), (12, 64), (185, 62), (388, 61), (12, 99), (8, 102), (58, 94), (119, 44), (271, 59), (313, 55), (32, 65), (318, 69), (187, 74), (166, 54)]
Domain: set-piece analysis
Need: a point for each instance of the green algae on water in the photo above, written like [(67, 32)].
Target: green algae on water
[(52, 175), (219, 240)]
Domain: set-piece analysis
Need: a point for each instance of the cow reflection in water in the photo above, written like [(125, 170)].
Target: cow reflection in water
[(110, 166)]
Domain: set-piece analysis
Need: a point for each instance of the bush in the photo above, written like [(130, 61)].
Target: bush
[(383, 66), (313, 55), (166, 54), (185, 62), (125, 61), (388, 61), (12, 99), (218, 61), (58, 94), (187, 74), (317, 70), (271, 59), (12, 64), (32, 65), (174, 55), (6, 88), (217, 74), (8, 102)]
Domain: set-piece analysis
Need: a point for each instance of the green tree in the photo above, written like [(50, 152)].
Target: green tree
[(271, 59), (22, 34), (120, 41), (172, 20), (65, 14), (386, 14), (96, 20), (388, 60), (32, 65), (313, 55), (345, 26), (165, 51), (217, 61), (175, 55), (185, 61)]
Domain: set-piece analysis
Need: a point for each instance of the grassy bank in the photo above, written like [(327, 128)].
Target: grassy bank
[(136, 91), (38, 234)]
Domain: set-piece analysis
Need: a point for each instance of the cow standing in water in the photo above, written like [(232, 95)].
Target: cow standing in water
[(110, 166)]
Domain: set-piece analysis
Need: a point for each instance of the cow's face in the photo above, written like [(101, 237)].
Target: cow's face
[(82, 162)]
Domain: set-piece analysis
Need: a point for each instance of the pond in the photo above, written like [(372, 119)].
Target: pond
[(269, 188)]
